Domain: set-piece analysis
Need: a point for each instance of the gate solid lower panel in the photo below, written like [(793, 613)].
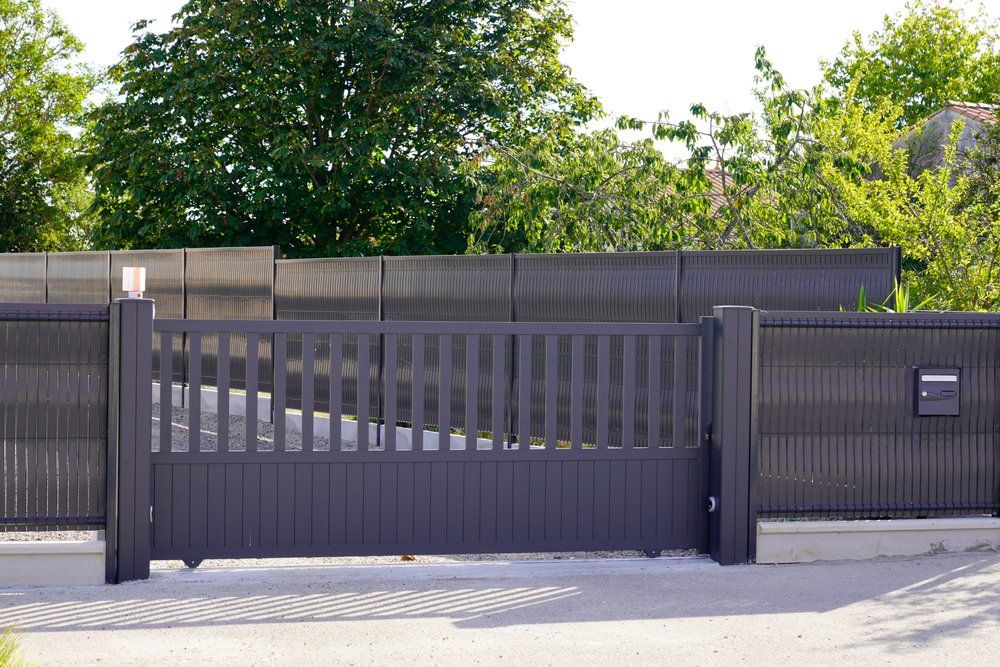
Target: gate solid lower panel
[(281, 504)]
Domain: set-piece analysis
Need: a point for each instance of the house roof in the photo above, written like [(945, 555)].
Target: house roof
[(981, 113)]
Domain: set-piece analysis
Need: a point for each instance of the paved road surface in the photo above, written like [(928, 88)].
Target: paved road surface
[(916, 610)]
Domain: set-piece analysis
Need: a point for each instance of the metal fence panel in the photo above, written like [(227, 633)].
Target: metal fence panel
[(784, 279), (232, 283), (165, 285), (327, 289), (839, 435), (452, 288), (79, 277), (53, 417), (22, 278), (606, 287)]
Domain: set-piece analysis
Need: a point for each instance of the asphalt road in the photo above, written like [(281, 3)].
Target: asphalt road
[(935, 608)]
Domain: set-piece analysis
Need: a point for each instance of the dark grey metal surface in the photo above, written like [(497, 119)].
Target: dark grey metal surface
[(232, 283), (838, 431), (784, 279), (435, 491), (129, 520), (732, 526), (22, 278), (53, 416), (79, 277)]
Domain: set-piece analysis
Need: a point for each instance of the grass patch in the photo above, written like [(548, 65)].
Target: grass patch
[(10, 645)]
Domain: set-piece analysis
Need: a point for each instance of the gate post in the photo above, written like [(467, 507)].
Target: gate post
[(732, 525), (129, 440)]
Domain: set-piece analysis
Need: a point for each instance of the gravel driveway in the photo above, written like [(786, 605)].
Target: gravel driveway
[(930, 610)]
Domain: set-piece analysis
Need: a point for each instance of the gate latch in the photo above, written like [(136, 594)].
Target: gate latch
[(712, 504)]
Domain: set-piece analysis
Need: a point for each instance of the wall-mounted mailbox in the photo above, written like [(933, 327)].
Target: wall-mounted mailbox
[(937, 392)]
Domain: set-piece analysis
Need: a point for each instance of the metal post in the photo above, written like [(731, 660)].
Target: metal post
[(131, 405), (731, 524)]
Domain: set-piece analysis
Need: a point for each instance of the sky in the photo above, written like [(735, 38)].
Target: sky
[(638, 56)]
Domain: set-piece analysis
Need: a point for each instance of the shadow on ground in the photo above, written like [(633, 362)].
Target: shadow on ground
[(934, 596)]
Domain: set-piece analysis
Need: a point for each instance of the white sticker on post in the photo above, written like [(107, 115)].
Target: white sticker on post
[(939, 378)]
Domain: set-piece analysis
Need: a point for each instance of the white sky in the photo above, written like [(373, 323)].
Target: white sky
[(637, 56)]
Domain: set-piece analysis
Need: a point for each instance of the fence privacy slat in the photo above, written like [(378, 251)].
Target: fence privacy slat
[(391, 382), (628, 391), (523, 392), (364, 389), (576, 393), (308, 390), (223, 394), (498, 390), (551, 389), (336, 389), (654, 409), (280, 389), (680, 389), (417, 407), (166, 390), (603, 386), (444, 393), (194, 398), (471, 390), (253, 364)]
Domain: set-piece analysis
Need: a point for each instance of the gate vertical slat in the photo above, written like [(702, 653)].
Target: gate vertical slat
[(417, 400), (603, 384), (308, 390), (364, 389), (336, 389), (194, 379), (253, 366), (628, 391), (680, 390), (576, 393), (166, 390), (279, 397), (654, 407), (498, 390), (444, 393), (524, 392), (551, 389), (391, 382), (471, 391), (223, 375)]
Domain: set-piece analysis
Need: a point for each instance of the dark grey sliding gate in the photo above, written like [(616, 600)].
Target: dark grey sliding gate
[(345, 486)]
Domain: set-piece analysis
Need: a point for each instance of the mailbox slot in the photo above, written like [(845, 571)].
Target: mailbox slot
[(938, 392)]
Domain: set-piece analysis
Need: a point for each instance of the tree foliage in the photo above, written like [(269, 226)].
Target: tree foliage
[(43, 194), (328, 127), (922, 58)]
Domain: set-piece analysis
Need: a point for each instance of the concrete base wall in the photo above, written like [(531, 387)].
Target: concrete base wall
[(806, 541), (52, 563)]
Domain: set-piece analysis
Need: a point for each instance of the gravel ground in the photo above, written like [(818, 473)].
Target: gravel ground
[(293, 442)]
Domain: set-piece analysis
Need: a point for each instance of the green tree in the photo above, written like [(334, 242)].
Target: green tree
[(931, 53), (570, 191), (43, 192), (750, 180), (328, 127)]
